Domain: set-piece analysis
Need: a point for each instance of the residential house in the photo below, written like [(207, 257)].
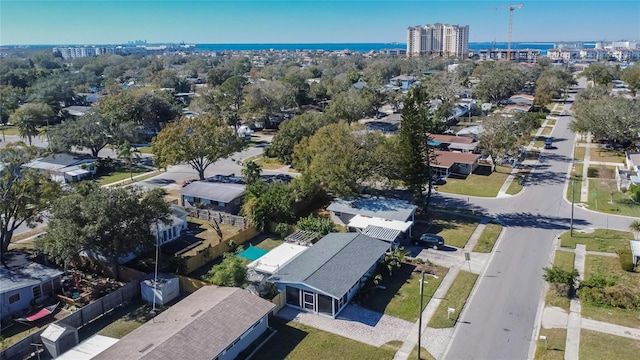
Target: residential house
[(225, 197), (522, 99), (453, 143), (403, 82), (454, 163), (212, 323), (258, 271), (24, 283), (65, 167), (172, 230), (473, 131), (77, 110), (359, 213), (516, 108), (324, 278)]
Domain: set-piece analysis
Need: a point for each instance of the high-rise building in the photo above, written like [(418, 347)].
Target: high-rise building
[(438, 39)]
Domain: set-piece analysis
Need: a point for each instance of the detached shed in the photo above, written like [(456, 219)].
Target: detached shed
[(167, 288), (58, 338)]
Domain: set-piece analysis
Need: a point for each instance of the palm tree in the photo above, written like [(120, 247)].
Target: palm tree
[(251, 172), (128, 153), (635, 228), (27, 127)]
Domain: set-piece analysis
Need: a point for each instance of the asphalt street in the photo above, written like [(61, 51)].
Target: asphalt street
[(500, 316)]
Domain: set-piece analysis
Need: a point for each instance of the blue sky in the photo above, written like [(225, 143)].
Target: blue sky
[(306, 21)]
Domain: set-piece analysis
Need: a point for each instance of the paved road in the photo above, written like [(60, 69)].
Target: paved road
[(500, 317)]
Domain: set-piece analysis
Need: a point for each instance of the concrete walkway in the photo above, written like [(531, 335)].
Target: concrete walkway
[(572, 347), (599, 253), (613, 329)]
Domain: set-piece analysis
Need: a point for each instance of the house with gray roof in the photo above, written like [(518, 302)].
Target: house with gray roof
[(23, 282), (212, 323), (356, 214), (324, 278), (218, 196), (65, 167), (172, 230)]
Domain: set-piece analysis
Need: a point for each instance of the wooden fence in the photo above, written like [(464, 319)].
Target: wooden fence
[(207, 254), (220, 217), (77, 319)]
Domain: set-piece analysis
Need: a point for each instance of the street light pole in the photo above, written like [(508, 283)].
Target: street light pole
[(573, 196), (420, 313)]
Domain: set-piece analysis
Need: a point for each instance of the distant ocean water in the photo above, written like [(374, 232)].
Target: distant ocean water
[(366, 47)]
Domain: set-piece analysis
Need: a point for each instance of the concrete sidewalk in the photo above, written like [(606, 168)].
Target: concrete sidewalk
[(584, 191), (572, 347)]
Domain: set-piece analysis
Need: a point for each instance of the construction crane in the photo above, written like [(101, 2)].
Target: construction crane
[(511, 8)]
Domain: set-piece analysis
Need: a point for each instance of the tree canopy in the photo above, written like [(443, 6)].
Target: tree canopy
[(232, 271), (24, 193), (85, 220), (198, 141)]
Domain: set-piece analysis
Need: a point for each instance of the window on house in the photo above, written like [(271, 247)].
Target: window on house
[(14, 298), (220, 203), (37, 291)]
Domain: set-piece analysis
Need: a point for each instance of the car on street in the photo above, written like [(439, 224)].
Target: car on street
[(548, 143), (429, 240)]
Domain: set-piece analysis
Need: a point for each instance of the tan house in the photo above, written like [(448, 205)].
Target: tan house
[(449, 162)]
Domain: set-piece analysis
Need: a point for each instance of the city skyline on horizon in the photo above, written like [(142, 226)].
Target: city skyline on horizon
[(270, 22)]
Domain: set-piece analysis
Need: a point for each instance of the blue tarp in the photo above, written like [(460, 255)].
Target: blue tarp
[(434, 143), (253, 253)]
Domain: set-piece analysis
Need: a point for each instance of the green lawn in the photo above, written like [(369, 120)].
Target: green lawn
[(488, 238), (551, 122), (145, 150), (577, 186), (599, 240), (401, 294), (121, 173), (579, 152), (597, 346), (546, 131), (120, 322), (564, 259), (622, 202), (538, 144), (576, 172), (556, 341), (9, 130), (269, 243), (595, 264), (296, 341), (515, 186), (455, 298), (266, 163), (478, 185), (455, 229), (424, 354)]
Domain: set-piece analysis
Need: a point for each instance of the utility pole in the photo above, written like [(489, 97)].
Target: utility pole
[(573, 197), (420, 314)]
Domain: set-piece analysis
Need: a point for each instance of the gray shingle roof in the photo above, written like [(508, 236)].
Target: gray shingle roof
[(200, 326), (334, 263), (224, 192), (385, 208), (21, 272)]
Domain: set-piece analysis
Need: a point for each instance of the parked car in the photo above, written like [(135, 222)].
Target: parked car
[(548, 143), (186, 182), (430, 240)]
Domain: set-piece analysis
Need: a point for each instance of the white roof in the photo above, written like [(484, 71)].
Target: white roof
[(635, 247), (361, 222), (53, 332), (77, 172), (89, 348), (277, 258)]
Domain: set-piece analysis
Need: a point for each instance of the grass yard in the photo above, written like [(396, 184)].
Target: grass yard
[(566, 260), (121, 173), (295, 341), (120, 322), (622, 202), (515, 186), (597, 346), (269, 243), (546, 131), (488, 238), (9, 130), (578, 153), (576, 185), (424, 354), (401, 296), (599, 240), (455, 298), (266, 163), (595, 264), (145, 150), (204, 231), (478, 185), (577, 171), (600, 154), (556, 341), (551, 122), (455, 229), (538, 144)]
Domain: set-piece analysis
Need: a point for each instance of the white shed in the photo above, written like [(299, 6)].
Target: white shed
[(167, 288), (58, 338), (635, 251)]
